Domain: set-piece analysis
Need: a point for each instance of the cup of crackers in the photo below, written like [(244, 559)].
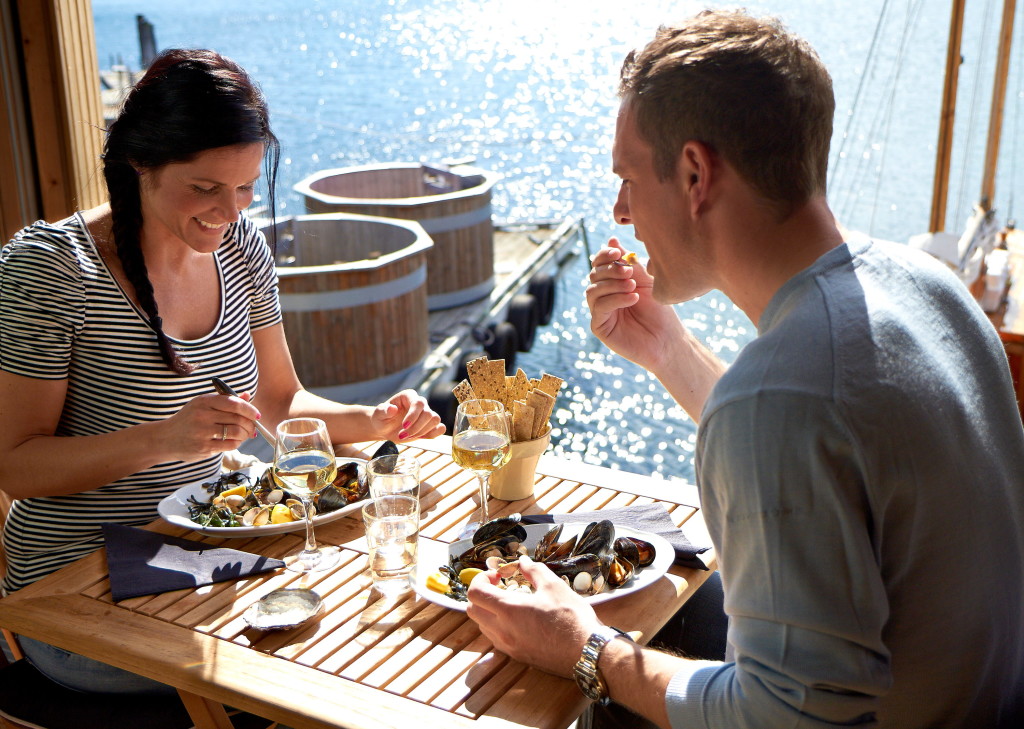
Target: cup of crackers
[(529, 404)]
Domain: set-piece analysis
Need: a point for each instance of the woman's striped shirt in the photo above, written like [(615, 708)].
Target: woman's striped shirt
[(64, 316)]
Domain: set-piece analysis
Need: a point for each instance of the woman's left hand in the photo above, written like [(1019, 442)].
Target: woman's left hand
[(405, 417)]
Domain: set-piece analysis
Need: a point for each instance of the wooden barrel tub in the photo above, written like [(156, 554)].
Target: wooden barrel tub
[(354, 301), (452, 205)]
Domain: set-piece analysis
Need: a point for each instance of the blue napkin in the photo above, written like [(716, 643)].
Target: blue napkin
[(141, 562), (653, 518)]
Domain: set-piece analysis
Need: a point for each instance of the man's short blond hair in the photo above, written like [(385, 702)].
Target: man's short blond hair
[(754, 93)]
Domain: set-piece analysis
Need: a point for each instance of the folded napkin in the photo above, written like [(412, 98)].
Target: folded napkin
[(141, 562), (653, 518)]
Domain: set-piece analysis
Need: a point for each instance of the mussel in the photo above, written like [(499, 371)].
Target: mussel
[(500, 527), (597, 538)]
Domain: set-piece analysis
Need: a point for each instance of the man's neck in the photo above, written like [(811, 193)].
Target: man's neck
[(764, 253)]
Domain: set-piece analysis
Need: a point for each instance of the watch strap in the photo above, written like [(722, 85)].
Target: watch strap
[(587, 676)]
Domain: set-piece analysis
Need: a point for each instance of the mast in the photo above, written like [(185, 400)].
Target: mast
[(944, 152), (995, 123)]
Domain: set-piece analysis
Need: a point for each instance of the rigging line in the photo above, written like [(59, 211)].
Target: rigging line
[(972, 117), (913, 14), (1010, 222), (856, 97), (866, 161), (846, 193)]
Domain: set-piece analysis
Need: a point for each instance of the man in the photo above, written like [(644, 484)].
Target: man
[(861, 464)]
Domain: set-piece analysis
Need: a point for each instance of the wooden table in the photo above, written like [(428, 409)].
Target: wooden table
[(367, 662)]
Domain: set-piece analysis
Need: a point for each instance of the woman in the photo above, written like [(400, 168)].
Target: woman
[(113, 321)]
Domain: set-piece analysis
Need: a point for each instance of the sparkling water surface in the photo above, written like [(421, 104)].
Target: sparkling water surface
[(528, 90)]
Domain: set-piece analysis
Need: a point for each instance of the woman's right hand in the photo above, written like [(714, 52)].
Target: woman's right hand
[(209, 424)]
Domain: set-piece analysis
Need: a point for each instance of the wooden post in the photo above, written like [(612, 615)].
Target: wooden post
[(944, 151), (66, 114), (995, 120)]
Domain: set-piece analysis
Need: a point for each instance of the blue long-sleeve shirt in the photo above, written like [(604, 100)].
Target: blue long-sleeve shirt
[(861, 470)]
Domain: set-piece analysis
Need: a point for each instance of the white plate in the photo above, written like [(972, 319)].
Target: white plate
[(431, 555), (174, 509)]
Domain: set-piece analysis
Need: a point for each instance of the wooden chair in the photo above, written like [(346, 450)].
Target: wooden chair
[(1014, 345), (30, 700)]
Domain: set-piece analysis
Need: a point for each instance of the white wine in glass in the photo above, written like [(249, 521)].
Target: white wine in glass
[(481, 445), (304, 464)]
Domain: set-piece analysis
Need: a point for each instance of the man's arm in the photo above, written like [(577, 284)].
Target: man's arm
[(548, 628), (625, 316)]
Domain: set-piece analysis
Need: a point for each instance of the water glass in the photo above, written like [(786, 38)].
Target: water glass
[(392, 529), (394, 474)]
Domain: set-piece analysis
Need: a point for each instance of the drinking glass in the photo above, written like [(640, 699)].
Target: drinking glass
[(480, 444), (304, 465), (394, 474), (392, 529)]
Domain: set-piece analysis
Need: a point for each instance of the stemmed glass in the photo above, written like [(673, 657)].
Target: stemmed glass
[(304, 465), (481, 445)]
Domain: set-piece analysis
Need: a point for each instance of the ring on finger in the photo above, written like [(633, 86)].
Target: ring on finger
[(223, 432)]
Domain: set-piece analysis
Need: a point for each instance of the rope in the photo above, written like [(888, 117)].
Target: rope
[(1010, 222), (913, 13), (847, 133)]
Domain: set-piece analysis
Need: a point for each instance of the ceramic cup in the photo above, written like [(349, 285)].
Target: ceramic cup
[(515, 479)]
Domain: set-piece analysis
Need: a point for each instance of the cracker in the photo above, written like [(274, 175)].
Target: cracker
[(464, 391), (487, 378), (522, 421), (543, 404), (520, 386), (550, 384)]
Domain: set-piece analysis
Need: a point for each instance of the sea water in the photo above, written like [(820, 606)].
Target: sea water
[(528, 90)]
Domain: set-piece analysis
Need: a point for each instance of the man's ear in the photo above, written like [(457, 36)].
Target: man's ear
[(696, 174)]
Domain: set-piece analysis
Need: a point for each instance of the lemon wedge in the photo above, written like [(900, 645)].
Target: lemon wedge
[(437, 582), (236, 491), (281, 514), (467, 575)]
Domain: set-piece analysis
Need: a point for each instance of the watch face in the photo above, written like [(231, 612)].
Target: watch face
[(589, 683)]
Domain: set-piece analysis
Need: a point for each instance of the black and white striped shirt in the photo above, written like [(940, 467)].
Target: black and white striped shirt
[(64, 316)]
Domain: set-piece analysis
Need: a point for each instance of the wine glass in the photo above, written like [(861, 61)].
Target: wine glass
[(481, 445), (304, 465)]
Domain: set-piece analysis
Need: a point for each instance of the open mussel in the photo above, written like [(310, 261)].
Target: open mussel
[(587, 574), (497, 528), (637, 551), (597, 538)]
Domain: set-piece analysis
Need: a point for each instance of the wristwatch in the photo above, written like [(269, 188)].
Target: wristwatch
[(588, 678)]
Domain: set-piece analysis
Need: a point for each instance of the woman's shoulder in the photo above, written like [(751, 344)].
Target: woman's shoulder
[(62, 244)]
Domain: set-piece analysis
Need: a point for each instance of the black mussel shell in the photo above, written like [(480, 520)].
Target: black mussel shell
[(547, 544), (571, 566), (499, 527), (597, 538), (332, 499), (387, 448), (645, 549), (620, 571), (627, 549)]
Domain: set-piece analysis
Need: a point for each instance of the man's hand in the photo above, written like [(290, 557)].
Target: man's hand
[(546, 628), (623, 312)]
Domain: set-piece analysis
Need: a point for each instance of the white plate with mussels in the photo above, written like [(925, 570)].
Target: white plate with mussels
[(432, 555), (190, 506)]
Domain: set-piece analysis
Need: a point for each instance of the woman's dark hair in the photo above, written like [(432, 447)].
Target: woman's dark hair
[(188, 101)]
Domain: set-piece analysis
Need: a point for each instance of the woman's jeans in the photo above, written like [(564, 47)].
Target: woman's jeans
[(84, 674)]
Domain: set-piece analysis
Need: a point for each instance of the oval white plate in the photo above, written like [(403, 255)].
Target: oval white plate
[(431, 555), (174, 509)]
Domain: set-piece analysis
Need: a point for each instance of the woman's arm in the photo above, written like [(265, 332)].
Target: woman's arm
[(35, 462), (404, 417)]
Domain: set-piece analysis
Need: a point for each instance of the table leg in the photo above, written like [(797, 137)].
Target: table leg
[(206, 714)]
